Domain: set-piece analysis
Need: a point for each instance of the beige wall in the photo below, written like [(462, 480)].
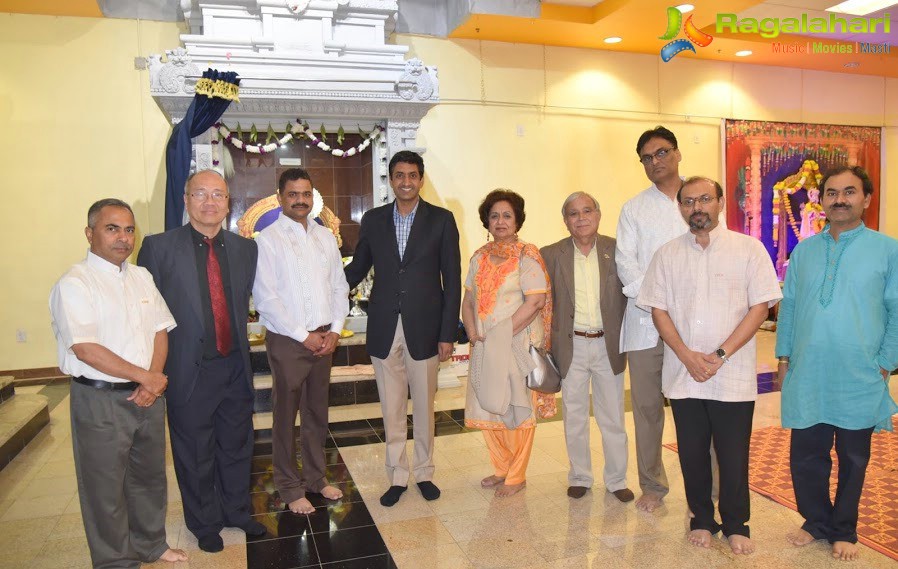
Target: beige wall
[(71, 82), (78, 125)]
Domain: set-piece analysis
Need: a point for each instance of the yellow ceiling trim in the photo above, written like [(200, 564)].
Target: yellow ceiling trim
[(80, 8)]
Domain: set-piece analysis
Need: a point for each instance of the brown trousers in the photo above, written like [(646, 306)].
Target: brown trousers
[(300, 383)]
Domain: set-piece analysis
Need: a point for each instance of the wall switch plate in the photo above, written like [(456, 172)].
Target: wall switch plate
[(21, 336)]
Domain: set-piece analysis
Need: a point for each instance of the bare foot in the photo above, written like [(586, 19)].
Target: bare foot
[(845, 551), (699, 538), (331, 493), (301, 506), (173, 555), (799, 538), (648, 502), (491, 481), (505, 490), (741, 545)]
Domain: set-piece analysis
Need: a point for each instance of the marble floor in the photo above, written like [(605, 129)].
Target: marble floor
[(40, 523)]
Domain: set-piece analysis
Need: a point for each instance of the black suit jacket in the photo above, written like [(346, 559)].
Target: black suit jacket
[(426, 283), (171, 259)]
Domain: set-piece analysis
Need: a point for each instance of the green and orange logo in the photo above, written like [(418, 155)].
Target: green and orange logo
[(694, 35)]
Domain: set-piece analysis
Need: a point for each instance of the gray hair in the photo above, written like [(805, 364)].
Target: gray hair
[(198, 172), (577, 195), (94, 211)]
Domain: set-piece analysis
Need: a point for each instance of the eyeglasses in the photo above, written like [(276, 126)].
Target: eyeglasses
[(647, 159), (201, 196), (690, 202)]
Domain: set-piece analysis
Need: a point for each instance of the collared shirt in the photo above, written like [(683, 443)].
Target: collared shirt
[(403, 226), (647, 221), (839, 325), (210, 351), (587, 315), (118, 307), (707, 293), (300, 285)]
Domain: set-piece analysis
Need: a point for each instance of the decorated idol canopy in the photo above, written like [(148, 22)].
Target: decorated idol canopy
[(257, 74)]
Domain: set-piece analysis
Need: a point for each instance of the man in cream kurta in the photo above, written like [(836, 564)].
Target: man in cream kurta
[(708, 291)]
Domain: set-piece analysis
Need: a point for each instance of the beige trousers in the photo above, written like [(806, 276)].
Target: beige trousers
[(398, 375)]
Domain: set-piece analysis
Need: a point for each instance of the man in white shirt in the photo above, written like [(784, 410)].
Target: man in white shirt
[(709, 290), (647, 222), (301, 295), (111, 327)]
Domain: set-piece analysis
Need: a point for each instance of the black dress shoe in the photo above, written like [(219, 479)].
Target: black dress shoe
[(577, 491), (392, 496), (252, 528), (624, 495), (211, 543)]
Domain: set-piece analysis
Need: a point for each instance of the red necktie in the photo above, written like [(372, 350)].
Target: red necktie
[(219, 304)]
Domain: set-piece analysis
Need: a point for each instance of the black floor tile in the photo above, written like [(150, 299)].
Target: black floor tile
[(354, 439), (375, 562), (457, 414), (332, 456), (281, 524), (349, 426), (347, 544), (377, 423), (452, 428), (329, 443), (282, 553), (340, 516)]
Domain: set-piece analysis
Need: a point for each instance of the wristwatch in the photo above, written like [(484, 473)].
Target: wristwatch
[(722, 354)]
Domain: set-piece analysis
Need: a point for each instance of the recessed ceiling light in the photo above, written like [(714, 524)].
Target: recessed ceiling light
[(743, 53), (613, 39), (860, 7), (683, 8), (852, 64)]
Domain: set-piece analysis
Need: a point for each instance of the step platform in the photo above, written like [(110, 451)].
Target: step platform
[(21, 418)]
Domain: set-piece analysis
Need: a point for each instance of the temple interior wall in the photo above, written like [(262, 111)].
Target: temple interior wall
[(80, 125)]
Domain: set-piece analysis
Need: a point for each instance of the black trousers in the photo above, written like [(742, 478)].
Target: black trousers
[(728, 424), (212, 446), (811, 466)]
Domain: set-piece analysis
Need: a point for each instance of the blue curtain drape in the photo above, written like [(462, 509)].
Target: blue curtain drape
[(215, 91)]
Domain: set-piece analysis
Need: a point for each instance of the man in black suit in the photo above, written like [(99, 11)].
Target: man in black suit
[(412, 314), (206, 276)]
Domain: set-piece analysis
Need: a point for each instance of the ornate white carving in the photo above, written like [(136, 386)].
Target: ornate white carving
[(297, 6), (416, 82), (178, 75)]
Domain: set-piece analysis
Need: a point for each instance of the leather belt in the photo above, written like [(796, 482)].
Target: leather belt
[(109, 385), (590, 333)]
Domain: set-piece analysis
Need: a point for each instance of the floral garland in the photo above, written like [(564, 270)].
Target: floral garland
[(297, 130)]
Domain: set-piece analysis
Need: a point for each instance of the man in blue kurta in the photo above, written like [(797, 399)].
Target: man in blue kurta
[(837, 340)]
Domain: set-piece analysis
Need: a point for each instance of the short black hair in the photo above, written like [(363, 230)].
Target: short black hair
[(693, 180), (502, 195), (407, 157), (856, 170), (94, 210), (291, 175), (657, 132)]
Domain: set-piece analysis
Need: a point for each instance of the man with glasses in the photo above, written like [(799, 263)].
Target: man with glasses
[(647, 222), (412, 315), (206, 275), (837, 340), (708, 291)]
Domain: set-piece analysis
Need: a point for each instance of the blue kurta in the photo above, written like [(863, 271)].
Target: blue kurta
[(838, 323)]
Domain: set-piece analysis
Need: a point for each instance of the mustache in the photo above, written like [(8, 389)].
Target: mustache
[(300, 206), (841, 206)]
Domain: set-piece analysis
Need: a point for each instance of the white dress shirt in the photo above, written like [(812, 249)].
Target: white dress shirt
[(300, 285), (647, 221), (707, 292), (118, 307)]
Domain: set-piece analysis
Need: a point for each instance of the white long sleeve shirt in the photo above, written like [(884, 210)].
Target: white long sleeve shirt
[(647, 221), (300, 285)]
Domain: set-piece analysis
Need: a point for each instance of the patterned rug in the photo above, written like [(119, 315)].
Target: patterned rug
[(877, 526)]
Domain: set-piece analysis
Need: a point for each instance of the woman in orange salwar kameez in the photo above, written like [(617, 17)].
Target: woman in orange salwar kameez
[(506, 307)]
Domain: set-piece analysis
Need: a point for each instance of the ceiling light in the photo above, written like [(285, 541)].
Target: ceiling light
[(860, 7), (612, 39), (683, 8), (852, 64), (743, 53)]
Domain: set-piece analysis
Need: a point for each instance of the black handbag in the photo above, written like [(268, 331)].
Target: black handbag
[(545, 377)]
